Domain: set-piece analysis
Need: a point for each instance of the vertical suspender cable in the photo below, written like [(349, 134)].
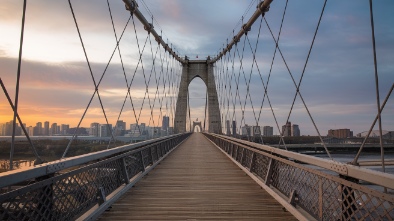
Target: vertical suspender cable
[(17, 86), (205, 112), (377, 85)]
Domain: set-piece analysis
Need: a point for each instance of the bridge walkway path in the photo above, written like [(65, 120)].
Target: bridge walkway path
[(196, 182)]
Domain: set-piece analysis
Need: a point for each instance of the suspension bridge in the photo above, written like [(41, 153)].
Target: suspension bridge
[(181, 175)]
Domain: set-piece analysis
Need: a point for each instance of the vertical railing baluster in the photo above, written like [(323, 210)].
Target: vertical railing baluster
[(124, 171), (142, 161), (269, 172), (252, 162)]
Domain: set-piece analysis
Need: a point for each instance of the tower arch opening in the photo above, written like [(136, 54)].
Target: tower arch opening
[(197, 104)]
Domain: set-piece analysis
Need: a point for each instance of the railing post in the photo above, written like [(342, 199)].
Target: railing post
[(124, 171), (292, 198), (142, 161), (269, 172), (252, 161), (101, 195)]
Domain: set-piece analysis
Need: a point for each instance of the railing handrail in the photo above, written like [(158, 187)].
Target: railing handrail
[(20, 175), (372, 176)]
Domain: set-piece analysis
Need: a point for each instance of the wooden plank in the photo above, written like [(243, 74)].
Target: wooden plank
[(196, 182)]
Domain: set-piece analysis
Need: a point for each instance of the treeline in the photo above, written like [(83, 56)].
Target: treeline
[(313, 139), (50, 150)]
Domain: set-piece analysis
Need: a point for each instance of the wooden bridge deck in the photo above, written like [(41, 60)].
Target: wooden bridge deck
[(196, 182)]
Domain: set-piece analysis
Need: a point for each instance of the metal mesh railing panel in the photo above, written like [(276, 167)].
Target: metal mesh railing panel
[(322, 195), (260, 165)]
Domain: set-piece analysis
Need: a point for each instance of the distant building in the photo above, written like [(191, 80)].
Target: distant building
[(53, 130), (246, 130), (38, 129), (120, 128), (135, 130), (234, 126), (7, 129), (46, 128), (30, 131), (256, 131), (165, 123), (268, 131), (228, 128), (105, 130), (64, 129), (2, 129), (295, 131), (94, 129), (286, 129), (340, 133)]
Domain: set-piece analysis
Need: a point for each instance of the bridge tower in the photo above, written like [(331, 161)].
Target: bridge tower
[(204, 70)]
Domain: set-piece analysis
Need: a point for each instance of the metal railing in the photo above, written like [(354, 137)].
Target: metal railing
[(80, 187), (324, 189)]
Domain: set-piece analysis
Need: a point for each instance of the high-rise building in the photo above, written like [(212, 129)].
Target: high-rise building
[(94, 129), (121, 125), (38, 129), (256, 130), (7, 129), (135, 130), (295, 130), (340, 133), (268, 131), (286, 129), (46, 128), (234, 126), (166, 123), (228, 128), (30, 131), (120, 128), (53, 130), (105, 130), (64, 129), (246, 130), (2, 129)]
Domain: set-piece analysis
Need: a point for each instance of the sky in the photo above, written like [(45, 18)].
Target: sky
[(338, 85)]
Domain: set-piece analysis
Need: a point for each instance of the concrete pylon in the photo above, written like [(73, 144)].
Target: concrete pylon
[(203, 70)]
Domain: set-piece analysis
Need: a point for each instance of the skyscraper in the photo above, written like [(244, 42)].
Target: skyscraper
[(286, 129), (268, 131), (256, 131), (246, 130), (46, 128), (94, 129), (38, 129), (64, 129), (120, 127), (53, 129), (295, 131), (234, 128), (105, 130), (228, 128), (166, 123), (120, 124)]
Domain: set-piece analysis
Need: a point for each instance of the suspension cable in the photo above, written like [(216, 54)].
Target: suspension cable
[(377, 85), (17, 86)]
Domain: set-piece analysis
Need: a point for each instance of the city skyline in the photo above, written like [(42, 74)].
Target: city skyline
[(338, 85)]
